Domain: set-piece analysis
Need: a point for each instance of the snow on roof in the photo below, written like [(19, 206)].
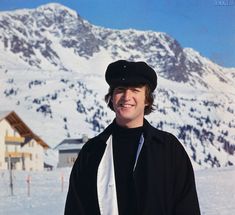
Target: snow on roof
[(71, 144), (3, 114)]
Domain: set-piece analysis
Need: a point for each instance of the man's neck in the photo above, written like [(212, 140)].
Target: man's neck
[(130, 123)]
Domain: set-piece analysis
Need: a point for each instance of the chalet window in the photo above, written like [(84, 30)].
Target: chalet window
[(71, 160)]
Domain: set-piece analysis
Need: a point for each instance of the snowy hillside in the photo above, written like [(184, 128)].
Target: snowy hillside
[(52, 65)]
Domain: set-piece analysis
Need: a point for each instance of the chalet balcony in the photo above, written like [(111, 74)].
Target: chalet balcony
[(14, 140), (17, 154)]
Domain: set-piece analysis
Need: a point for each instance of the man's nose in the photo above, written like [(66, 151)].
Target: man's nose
[(127, 94)]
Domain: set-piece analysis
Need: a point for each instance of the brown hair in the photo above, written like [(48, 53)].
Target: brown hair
[(149, 98)]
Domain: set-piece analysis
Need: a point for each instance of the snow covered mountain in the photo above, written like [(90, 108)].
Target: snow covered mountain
[(52, 65)]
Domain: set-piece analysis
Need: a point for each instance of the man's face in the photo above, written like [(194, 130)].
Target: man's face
[(129, 104)]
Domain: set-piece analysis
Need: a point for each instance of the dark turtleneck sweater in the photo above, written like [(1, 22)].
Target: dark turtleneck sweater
[(125, 145)]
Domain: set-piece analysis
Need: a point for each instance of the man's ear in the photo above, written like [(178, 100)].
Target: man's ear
[(146, 103)]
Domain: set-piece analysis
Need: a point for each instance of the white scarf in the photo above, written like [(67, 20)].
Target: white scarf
[(106, 185)]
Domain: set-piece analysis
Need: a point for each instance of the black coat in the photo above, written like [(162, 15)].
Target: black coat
[(163, 178)]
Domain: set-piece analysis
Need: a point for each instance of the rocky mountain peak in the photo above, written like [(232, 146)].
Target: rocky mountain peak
[(36, 35)]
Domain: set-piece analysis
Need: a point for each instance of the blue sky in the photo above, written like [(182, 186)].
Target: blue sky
[(207, 26)]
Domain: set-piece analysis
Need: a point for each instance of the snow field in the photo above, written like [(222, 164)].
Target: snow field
[(216, 192)]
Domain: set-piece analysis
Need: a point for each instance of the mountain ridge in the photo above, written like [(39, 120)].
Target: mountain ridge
[(50, 59)]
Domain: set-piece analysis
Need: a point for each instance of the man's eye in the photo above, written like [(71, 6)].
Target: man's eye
[(119, 90), (136, 90)]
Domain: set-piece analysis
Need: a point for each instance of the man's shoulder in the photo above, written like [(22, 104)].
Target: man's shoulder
[(99, 139), (161, 135), (169, 140)]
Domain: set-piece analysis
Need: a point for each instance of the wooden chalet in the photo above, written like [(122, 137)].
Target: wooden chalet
[(20, 147)]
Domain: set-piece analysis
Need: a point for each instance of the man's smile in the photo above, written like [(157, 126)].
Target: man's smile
[(126, 105)]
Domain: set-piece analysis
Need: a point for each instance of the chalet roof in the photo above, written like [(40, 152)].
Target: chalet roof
[(71, 144), (18, 124)]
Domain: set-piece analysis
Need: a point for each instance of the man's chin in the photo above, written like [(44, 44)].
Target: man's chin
[(125, 110), (125, 117), (125, 113)]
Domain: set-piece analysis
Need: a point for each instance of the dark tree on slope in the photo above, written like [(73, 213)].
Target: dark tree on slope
[(45, 109)]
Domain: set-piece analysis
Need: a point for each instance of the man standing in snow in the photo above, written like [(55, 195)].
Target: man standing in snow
[(132, 168)]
